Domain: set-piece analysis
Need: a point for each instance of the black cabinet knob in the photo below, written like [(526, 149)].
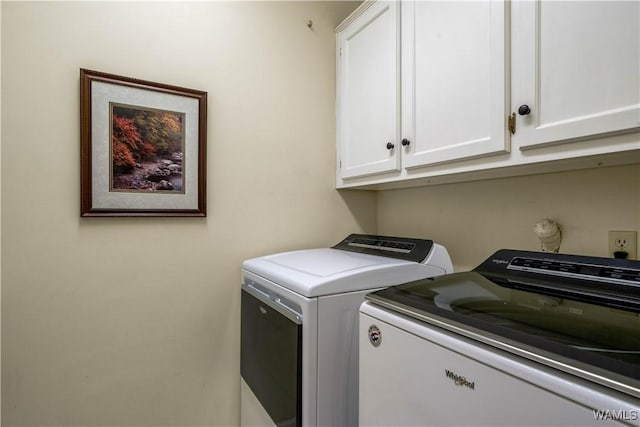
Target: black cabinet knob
[(524, 110), (405, 142), (390, 146)]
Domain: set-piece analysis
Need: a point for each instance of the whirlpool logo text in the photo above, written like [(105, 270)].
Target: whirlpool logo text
[(460, 380)]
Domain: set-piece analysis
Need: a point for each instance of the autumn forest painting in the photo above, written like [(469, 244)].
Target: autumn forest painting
[(147, 149)]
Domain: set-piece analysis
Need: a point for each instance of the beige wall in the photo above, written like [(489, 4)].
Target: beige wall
[(476, 218), (136, 321)]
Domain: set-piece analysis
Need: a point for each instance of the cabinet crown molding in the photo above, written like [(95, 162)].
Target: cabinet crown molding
[(355, 14)]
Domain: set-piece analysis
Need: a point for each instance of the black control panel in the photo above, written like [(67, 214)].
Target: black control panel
[(608, 281), (393, 247), (595, 272)]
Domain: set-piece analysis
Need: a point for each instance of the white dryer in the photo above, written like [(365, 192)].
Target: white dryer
[(526, 338), (299, 344)]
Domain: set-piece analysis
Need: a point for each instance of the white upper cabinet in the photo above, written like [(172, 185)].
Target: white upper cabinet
[(368, 114), (445, 84), (454, 103), (576, 69)]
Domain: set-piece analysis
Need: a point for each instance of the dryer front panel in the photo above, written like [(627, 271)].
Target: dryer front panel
[(271, 358)]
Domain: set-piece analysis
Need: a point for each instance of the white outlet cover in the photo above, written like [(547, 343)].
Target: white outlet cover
[(620, 240)]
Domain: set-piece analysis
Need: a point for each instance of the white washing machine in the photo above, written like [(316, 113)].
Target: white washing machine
[(525, 339), (299, 344)]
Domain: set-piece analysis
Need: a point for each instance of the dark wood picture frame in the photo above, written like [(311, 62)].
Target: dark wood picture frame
[(100, 95)]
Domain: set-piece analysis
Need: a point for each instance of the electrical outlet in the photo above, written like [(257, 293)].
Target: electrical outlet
[(623, 241)]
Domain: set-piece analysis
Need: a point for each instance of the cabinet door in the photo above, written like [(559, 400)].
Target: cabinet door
[(368, 90), (576, 66), (453, 80)]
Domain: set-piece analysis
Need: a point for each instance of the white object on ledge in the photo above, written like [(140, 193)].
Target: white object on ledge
[(548, 231)]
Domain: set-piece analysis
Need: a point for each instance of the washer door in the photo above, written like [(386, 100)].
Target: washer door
[(271, 357)]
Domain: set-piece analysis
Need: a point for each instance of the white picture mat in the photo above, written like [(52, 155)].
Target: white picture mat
[(104, 93)]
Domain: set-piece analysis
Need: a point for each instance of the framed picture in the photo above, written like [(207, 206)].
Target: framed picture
[(143, 147)]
